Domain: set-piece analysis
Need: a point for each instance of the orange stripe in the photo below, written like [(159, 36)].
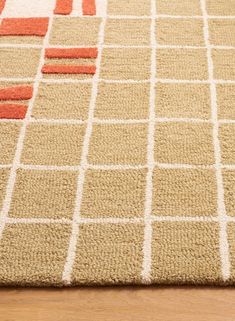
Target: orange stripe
[(24, 27), (63, 7), (71, 53), (88, 7), (64, 69), (2, 5), (16, 93), (12, 111)]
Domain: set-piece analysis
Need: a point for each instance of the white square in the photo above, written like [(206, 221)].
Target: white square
[(28, 8)]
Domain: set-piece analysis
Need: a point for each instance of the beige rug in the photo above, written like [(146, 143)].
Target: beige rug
[(117, 142)]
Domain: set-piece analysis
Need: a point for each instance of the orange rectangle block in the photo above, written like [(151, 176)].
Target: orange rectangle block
[(63, 7), (88, 7), (24, 27), (71, 53), (12, 111), (2, 5), (16, 93), (64, 69)]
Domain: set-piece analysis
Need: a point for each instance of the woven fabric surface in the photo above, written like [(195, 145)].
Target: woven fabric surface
[(117, 142)]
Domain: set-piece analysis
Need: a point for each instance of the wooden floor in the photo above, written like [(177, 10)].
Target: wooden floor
[(118, 304)]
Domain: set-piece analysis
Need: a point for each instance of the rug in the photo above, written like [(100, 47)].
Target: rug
[(117, 142)]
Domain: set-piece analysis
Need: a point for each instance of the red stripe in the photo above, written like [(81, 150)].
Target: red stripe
[(71, 53), (2, 5), (16, 93), (88, 7), (12, 111), (24, 27), (63, 7), (64, 69)]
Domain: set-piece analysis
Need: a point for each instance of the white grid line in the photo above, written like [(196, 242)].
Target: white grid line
[(116, 46), (223, 239), (75, 226), (20, 143), (118, 81), (147, 246), (118, 220)]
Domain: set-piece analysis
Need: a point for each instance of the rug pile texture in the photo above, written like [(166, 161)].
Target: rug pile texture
[(117, 142)]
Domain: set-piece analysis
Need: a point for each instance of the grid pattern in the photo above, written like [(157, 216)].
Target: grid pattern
[(127, 175)]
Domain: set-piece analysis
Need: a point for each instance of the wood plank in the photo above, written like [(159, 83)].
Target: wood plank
[(118, 304)]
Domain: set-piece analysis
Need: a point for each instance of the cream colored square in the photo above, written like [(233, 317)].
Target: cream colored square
[(181, 142), (19, 62), (109, 253), (75, 31), (114, 193), (127, 32), (229, 191), (122, 101), (126, 63), (226, 101), (180, 32), (183, 100), (186, 252), (182, 64), (53, 144), (184, 192), (118, 144), (224, 63), (62, 101), (44, 194), (33, 254), (221, 7), (227, 143), (178, 7), (130, 7), (222, 32), (4, 175), (9, 133)]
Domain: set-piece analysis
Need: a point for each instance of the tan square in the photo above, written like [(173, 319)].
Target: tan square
[(127, 32), (226, 101), (182, 64), (229, 191), (222, 32), (224, 63), (9, 133), (125, 63), (4, 175), (227, 143), (33, 254), (180, 32), (110, 253), (52, 144), (231, 241), (34, 40), (122, 101), (183, 100), (75, 31), (181, 142), (49, 194), (186, 252), (179, 7), (184, 192), (221, 7), (118, 144), (19, 62), (65, 101), (114, 193), (130, 7)]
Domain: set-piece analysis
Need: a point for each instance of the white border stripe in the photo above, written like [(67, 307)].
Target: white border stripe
[(224, 247), (20, 143), (75, 226), (147, 246)]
